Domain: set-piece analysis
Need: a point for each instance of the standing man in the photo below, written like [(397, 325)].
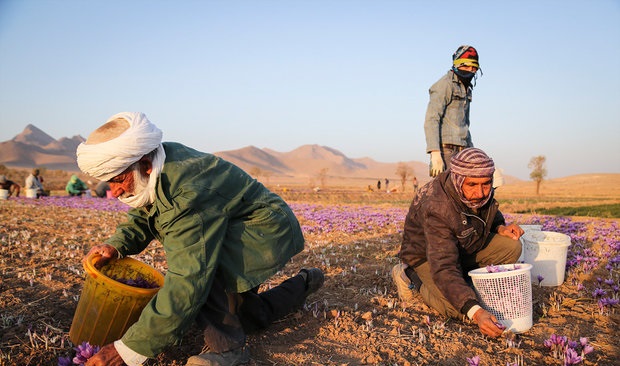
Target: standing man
[(223, 233), (446, 125), (453, 226)]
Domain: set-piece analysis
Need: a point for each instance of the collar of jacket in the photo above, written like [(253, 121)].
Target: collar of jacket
[(457, 80)]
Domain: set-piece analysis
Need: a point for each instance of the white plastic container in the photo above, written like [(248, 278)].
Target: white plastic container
[(507, 294), (531, 227), (546, 251), (31, 193), (4, 194), (527, 228)]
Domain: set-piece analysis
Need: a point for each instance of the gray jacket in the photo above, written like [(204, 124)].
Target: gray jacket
[(447, 114)]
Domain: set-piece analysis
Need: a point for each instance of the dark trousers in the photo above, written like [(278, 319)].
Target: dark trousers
[(448, 151), (228, 316)]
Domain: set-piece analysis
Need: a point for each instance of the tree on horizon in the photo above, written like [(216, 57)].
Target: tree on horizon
[(404, 171), (539, 172)]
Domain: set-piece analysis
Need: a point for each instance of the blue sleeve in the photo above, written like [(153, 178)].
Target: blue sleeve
[(440, 95)]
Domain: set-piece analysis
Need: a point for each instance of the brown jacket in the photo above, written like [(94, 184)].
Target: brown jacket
[(440, 229)]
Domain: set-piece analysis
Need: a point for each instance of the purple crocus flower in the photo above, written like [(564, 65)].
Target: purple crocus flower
[(491, 268), (540, 278), (599, 292), (559, 340), (602, 303), (610, 282), (571, 357), (65, 361), (586, 349), (83, 352), (607, 302), (474, 361)]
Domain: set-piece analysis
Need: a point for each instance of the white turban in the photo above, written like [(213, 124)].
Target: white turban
[(110, 158)]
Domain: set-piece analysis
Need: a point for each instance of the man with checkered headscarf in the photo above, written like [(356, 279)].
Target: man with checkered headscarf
[(453, 226), (446, 125)]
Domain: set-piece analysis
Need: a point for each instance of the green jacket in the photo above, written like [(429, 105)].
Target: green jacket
[(75, 185), (210, 216)]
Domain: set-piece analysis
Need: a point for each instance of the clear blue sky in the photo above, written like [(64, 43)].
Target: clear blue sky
[(351, 75)]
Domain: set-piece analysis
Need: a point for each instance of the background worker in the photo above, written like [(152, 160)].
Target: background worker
[(453, 226), (223, 232), (102, 188), (446, 125), (33, 182), (10, 186), (76, 187)]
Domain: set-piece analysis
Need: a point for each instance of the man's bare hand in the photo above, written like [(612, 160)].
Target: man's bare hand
[(107, 356), (107, 252), (488, 323), (512, 231)]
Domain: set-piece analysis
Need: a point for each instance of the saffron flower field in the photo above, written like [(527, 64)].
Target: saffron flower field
[(355, 319)]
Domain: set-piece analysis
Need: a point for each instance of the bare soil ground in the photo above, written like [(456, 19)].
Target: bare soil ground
[(355, 319)]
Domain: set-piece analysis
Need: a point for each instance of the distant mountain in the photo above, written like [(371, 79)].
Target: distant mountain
[(309, 160), (251, 157), (34, 147), (34, 136)]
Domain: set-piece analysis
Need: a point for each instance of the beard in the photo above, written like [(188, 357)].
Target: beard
[(143, 187)]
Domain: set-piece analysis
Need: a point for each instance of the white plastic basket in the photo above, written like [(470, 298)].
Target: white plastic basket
[(506, 294), (4, 194)]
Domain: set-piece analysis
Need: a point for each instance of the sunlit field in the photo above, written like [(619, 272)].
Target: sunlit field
[(355, 319)]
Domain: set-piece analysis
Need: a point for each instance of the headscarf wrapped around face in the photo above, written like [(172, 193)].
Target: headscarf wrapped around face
[(465, 55), (473, 163), (107, 159)]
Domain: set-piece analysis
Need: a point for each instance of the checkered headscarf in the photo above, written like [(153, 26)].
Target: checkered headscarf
[(474, 163)]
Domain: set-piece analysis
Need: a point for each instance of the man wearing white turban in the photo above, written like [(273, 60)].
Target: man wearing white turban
[(223, 232), (454, 225)]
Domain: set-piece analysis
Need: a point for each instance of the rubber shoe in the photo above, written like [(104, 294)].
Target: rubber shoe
[(314, 280), (239, 356), (403, 283)]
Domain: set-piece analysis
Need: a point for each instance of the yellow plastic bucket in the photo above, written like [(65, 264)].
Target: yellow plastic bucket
[(107, 308)]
